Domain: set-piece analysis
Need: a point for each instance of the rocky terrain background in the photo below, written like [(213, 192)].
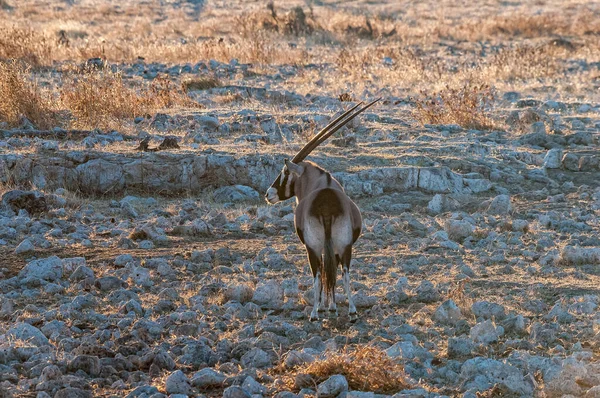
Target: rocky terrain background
[(137, 266)]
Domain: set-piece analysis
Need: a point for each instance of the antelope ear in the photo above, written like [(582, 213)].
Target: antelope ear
[(294, 168)]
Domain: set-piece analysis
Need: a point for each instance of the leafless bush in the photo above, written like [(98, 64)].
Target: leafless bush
[(101, 99), (22, 97), (467, 106), (25, 45), (366, 368)]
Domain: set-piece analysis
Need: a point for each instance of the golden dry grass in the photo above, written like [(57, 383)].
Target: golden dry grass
[(102, 99), (385, 375), (468, 106), (22, 97)]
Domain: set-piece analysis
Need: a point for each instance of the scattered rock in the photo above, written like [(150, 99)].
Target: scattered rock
[(500, 205), (178, 383), (49, 269), (235, 193), (268, 295), (333, 386), (447, 313)]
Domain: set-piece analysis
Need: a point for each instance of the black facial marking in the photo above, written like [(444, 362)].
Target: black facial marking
[(279, 186)]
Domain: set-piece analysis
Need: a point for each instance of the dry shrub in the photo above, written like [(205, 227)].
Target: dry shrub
[(582, 22), (462, 300), (101, 99), (22, 97), (162, 93), (366, 368), (202, 83), (548, 24), (467, 106), (26, 45), (297, 23), (294, 22), (524, 62)]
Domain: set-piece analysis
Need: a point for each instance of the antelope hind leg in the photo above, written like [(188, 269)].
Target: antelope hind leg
[(346, 280), (315, 266)]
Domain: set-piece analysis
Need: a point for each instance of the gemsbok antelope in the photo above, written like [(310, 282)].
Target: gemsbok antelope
[(327, 220)]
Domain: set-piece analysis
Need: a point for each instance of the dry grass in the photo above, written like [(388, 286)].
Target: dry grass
[(102, 99), (539, 25), (523, 62), (467, 106), (24, 44), (202, 83), (22, 97), (366, 368), (462, 300)]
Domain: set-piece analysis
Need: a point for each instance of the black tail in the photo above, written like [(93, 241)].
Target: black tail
[(330, 265)]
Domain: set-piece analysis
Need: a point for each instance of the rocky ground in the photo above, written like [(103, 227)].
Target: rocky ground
[(151, 274)]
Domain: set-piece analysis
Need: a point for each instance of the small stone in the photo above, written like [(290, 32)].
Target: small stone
[(256, 358), (486, 332), (500, 205), (109, 283), (570, 161), (427, 292), (268, 295), (538, 128), (487, 310), (332, 387), (27, 333), (178, 383), (236, 392), (71, 392), (82, 272), (235, 193), (88, 363), (49, 269), (460, 347), (458, 230), (447, 313), (24, 247), (553, 157), (253, 387), (207, 378)]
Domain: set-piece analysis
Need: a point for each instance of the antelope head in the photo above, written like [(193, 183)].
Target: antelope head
[(283, 186)]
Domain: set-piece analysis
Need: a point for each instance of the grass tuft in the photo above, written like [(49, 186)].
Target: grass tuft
[(102, 99), (467, 106), (24, 44), (384, 375), (22, 97), (202, 83)]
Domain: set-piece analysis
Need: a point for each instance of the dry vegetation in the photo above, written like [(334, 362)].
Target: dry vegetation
[(385, 375), (468, 106), (22, 97), (92, 98), (533, 51)]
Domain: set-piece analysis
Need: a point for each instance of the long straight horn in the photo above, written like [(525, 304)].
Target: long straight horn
[(301, 155), (330, 129)]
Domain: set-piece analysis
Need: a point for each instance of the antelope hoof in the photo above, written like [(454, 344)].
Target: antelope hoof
[(314, 316), (353, 317), (333, 314)]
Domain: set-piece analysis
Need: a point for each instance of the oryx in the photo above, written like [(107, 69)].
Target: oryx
[(327, 221)]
